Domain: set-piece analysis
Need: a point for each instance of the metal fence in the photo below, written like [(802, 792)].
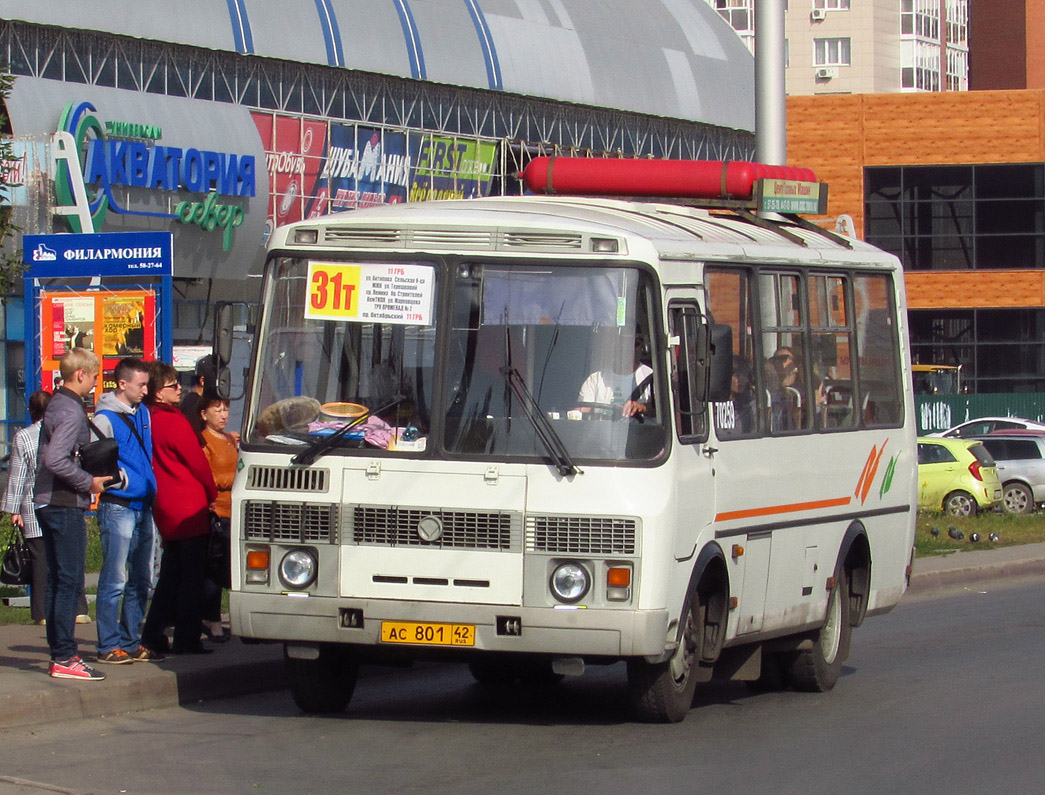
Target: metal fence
[(940, 412)]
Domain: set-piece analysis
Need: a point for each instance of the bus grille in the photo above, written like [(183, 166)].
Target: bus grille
[(287, 478), (581, 535), (265, 520), (389, 525)]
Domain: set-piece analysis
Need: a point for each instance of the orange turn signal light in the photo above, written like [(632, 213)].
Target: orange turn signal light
[(258, 559), (618, 577)]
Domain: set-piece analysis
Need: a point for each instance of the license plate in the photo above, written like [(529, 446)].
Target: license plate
[(427, 634)]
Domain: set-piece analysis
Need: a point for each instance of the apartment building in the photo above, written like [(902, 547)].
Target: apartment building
[(867, 46)]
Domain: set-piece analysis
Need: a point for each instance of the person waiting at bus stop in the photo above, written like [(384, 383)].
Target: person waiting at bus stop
[(125, 519), (18, 501), (185, 493)]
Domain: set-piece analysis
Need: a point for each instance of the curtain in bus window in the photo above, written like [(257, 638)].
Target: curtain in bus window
[(730, 303), (830, 345), (786, 393), (586, 297), (879, 368)]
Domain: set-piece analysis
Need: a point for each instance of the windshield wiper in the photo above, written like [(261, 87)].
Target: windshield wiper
[(545, 432), (325, 443)]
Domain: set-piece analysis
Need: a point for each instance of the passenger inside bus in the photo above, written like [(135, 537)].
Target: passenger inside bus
[(742, 397), (784, 386)]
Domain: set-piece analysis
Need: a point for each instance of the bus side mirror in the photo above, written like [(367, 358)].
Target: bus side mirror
[(224, 319), (720, 362)]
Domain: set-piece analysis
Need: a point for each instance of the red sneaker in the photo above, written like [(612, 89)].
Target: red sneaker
[(74, 668)]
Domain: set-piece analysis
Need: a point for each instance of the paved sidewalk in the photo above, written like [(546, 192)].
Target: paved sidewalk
[(29, 697)]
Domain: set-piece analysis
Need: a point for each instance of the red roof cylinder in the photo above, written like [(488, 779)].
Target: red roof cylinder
[(680, 179)]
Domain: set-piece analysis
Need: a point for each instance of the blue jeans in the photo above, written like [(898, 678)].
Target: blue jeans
[(126, 536), (65, 542)]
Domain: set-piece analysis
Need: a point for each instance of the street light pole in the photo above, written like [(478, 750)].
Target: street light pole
[(770, 93)]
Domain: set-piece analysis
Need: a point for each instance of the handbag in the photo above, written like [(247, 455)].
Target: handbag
[(101, 458), (219, 551), (17, 566)]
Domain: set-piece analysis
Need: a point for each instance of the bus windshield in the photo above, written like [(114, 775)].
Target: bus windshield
[(575, 338), (541, 363), (321, 367)]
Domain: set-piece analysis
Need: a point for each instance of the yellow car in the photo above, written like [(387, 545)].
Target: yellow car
[(956, 476)]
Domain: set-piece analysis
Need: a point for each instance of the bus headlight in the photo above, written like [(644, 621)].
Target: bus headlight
[(298, 569), (570, 582)]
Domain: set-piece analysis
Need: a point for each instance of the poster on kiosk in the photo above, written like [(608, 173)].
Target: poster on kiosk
[(118, 304)]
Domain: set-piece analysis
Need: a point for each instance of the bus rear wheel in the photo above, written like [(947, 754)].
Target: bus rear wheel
[(324, 684), (816, 670), (663, 692)]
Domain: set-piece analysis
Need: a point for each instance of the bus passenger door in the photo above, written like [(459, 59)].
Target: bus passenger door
[(694, 457)]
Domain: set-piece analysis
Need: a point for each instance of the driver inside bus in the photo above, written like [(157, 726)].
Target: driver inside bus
[(626, 384)]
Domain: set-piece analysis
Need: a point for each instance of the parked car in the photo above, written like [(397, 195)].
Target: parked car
[(1020, 456), (985, 425), (957, 476)]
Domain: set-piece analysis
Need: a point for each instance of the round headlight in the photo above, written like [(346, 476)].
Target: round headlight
[(298, 568), (570, 582)]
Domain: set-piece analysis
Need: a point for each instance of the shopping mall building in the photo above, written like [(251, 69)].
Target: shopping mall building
[(275, 111)]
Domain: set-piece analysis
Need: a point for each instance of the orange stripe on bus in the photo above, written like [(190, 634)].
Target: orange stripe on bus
[(867, 466), (872, 473), (749, 513)]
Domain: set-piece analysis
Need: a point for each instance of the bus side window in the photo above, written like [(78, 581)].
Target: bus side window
[(830, 349), (878, 365), (690, 412), (729, 302), (785, 346)]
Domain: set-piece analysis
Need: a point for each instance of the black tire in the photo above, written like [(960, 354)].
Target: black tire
[(495, 673), (960, 503), (816, 670), (325, 684), (1017, 498), (663, 692)]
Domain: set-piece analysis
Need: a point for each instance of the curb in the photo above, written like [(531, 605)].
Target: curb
[(931, 580), (159, 688)]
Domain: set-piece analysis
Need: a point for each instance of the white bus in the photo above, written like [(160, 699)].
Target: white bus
[(540, 433)]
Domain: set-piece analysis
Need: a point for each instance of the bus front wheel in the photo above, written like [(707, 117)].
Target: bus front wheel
[(324, 684), (816, 670), (663, 692)]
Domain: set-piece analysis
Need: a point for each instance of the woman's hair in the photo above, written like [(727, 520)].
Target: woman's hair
[(210, 397), (38, 404), (160, 373)]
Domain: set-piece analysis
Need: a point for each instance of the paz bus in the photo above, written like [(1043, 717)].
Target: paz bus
[(539, 433)]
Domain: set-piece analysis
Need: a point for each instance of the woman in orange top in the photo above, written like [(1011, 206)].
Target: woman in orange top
[(222, 452)]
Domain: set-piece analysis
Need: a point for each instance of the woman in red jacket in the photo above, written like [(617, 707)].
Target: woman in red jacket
[(185, 492)]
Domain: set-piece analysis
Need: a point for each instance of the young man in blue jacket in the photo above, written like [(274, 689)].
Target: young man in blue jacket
[(125, 519)]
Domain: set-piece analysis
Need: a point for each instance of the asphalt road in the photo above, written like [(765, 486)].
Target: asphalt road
[(943, 695)]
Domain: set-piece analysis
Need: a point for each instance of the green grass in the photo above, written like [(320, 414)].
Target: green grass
[(1012, 531)]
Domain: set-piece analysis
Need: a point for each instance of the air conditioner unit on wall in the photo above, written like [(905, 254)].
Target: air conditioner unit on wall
[(825, 73), (818, 15)]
